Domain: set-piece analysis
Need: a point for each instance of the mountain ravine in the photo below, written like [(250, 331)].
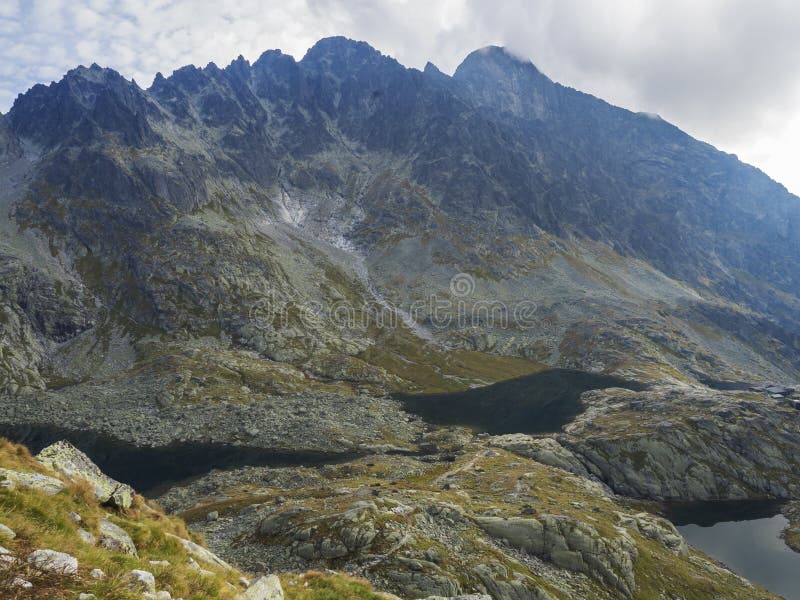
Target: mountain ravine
[(273, 257)]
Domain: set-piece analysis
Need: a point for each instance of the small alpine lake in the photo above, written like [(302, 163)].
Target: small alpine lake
[(745, 536), (541, 402), (152, 470)]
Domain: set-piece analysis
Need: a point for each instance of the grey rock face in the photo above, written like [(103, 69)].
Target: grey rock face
[(570, 544), (657, 529), (115, 538), (54, 562), (352, 532), (66, 459), (143, 581), (545, 450), (200, 553), (267, 587), (36, 481), (716, 445)]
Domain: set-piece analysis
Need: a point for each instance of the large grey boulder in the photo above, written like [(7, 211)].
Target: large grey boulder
[(115, 538), (502, 588), (142, 581), (87, 537), (545, 450), (7, 532), (6, 557), (33, 481), (570, 544), (656, 528), (53, 562), (463, 597), (74, 464), (267, 587), (200, 553)]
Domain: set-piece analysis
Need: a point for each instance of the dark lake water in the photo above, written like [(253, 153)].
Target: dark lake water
[(151, 470), (538, 403), (746, 537)]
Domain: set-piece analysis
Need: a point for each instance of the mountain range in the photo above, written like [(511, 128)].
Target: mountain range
[(278, 254)]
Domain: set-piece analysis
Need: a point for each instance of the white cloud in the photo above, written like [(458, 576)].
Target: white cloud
[(9, 9), (727, 71)]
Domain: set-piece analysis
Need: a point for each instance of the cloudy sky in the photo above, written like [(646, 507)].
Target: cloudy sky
[(726, 71)]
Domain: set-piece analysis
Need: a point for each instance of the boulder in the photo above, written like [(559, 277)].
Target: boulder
[(159, 563), (462, 597), (97, 574), (7, 532), (780, 390), (53, 562), (115, 538), (87, 537), (195, 566), (656, 528), (267, 587), (143, 581), (35, 481), (201, 553), (570, 544), (66, 459), (545, 450), (6, 558)]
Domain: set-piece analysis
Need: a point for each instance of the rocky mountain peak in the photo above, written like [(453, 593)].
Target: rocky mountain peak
[(340, 55), (497, 77), (84, 99)]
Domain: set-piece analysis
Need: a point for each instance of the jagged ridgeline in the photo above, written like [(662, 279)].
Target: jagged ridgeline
[(130, 214)]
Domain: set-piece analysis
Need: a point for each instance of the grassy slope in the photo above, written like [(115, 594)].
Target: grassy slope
[(42, 521)]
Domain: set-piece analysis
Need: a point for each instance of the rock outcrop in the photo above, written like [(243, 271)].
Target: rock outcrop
[(53, 562), (267, 587), (680, 442), (115, 538), (66, 459), (142, 581), (35, 481), (656, 528), (197, 551), (545, 450), (570, 544)]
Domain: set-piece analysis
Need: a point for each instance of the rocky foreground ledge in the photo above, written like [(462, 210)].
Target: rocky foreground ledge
[(67, 530), (104, 541), (489, 522)]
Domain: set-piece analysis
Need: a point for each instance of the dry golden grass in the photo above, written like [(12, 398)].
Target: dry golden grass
[(43, 521), (314, 585)]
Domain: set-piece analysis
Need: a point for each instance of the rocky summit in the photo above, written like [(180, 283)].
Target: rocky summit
[(378, 332)]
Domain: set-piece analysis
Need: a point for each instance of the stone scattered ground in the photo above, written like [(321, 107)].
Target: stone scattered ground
[(484, 521)]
